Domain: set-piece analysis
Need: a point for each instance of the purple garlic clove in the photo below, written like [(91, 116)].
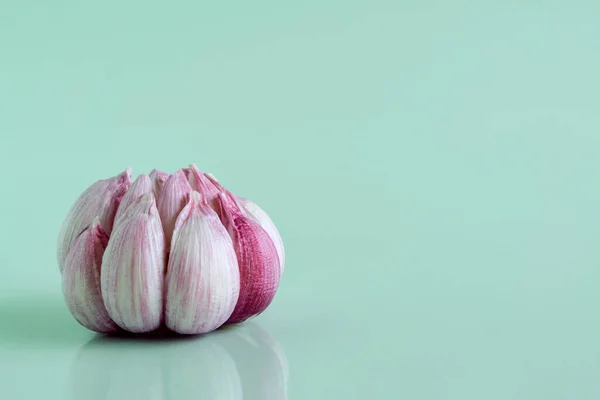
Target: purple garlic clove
[(257, 214), (257, 260)]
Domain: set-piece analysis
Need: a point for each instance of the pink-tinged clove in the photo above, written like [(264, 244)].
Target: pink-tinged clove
[(257, 260), (257, 214), (203, 279), (99, 200), (174, 197), (158, 182), (141, 186), (133, 269), (81, 280), (209, 191)]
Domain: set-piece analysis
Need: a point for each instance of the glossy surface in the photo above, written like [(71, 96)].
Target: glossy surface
[(432, 167)]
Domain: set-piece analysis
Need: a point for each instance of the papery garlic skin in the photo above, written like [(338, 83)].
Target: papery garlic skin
[(158, 179), (257, 214), (81, 280), (141, 186), (257, 260), (174, 197), (203, 279), (99, 200), (133, 269)]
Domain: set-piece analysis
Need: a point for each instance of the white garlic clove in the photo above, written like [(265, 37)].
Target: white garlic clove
[(158, 182), (102, 200), (133, 269), (140, 187), (203, 279), (257, 260), (174, 197), (81, 280)]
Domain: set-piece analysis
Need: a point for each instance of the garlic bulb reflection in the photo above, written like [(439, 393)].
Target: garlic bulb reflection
[(174, 250), (243, 363)]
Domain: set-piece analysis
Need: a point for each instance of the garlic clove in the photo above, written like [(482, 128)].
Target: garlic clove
[(175, 196), (140, 187), (133, 268), (199, 183), (101, 199), (81, 280), (257, 260), (220, 188), (257, 214), (158, 182), (203, 278)]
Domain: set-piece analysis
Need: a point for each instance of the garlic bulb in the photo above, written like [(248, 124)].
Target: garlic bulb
[(175, 251)]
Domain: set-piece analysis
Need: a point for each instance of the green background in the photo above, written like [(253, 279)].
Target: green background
[(432, 167)]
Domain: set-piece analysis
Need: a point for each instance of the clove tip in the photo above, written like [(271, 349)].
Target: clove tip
[(95, 222), (195, 197)]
